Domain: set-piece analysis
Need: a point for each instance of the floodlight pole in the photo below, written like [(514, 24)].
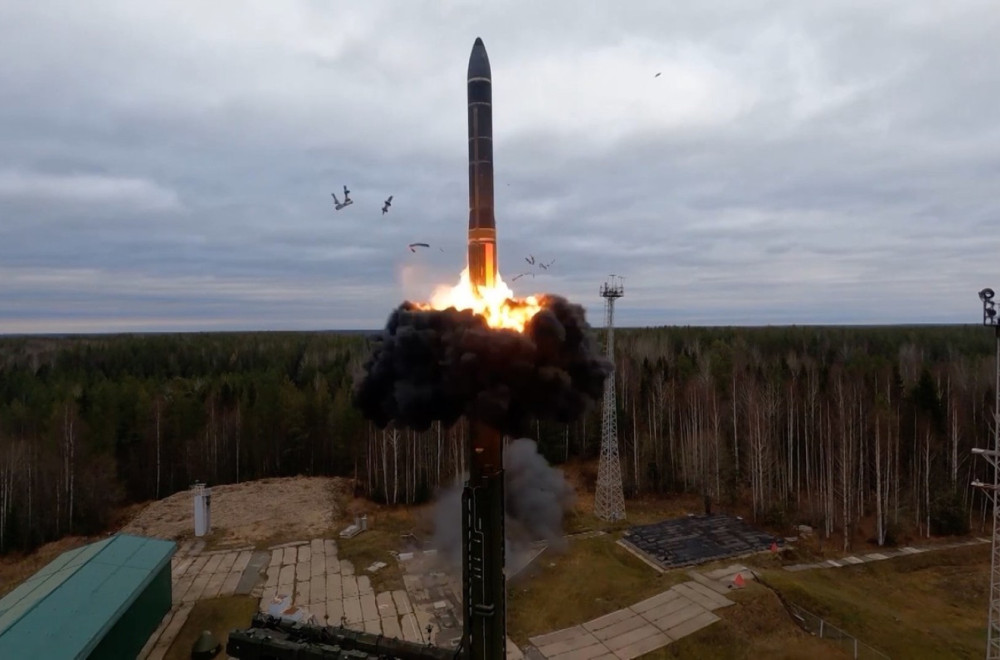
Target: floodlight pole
[(609, 498), (992, 456)]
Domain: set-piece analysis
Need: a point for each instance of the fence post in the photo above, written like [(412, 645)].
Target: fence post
[(855, 648), (821, 627)]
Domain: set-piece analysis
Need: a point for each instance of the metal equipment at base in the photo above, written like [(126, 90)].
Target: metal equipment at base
[(271, 638), (205, 647), (484, 591)]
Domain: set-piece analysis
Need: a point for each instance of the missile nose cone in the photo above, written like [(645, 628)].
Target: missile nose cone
[(479, 61)]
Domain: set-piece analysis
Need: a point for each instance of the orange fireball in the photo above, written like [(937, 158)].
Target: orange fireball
[(496, 304)]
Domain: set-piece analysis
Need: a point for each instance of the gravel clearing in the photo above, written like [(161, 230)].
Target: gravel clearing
[(252, 512)]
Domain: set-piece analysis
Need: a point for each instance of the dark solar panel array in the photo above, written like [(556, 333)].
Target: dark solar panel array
[(698, 539)]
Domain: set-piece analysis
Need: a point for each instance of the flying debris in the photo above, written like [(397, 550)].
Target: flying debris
[(520, 275), (657, 75), (413, 246), (388, 203), (534, 262), (337, 204)]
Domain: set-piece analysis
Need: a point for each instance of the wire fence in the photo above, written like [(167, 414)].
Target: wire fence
[(854, 647)]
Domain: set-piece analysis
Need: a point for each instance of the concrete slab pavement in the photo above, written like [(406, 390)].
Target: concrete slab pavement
[(633, 631)]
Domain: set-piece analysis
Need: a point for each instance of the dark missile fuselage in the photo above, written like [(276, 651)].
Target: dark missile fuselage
[(483, 584), (482, 224)]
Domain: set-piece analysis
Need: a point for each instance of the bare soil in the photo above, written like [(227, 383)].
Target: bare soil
[(217, 615), (253, 512)]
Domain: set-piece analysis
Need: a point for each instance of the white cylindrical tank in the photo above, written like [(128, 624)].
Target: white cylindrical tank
[(202, 509)]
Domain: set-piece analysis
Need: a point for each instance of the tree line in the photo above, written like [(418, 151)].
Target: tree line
[(825, 425), (90, 423)]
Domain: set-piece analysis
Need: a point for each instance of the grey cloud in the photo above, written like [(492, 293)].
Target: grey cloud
[(796, 162), (87, 189)]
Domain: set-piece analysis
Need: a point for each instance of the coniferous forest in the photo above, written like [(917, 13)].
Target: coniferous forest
[(823, 425)]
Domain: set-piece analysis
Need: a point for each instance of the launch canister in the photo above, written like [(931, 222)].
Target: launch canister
[(482, 225)]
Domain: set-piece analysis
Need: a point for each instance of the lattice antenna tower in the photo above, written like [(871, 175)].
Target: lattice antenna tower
[(992, 490), (609, 504)]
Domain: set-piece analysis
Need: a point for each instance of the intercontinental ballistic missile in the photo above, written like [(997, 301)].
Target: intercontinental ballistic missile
[(482, 224), (484, 592)]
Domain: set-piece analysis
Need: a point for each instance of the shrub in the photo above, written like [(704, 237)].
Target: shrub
[(949, 515)]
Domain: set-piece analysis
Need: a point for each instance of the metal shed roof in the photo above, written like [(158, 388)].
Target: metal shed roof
[(66, 608)]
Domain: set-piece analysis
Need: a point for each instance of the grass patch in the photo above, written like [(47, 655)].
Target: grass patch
[(386, 528), (593, 576), (638, 511), (757, 626), (218, 539), (931, 605), (219, 615)]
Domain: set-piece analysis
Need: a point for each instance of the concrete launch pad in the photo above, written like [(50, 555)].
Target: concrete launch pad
[(697, 539)]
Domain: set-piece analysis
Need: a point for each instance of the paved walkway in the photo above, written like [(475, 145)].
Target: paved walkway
[(307, 579), (882, 555), (437, 595), (330, 591), (641, 628)]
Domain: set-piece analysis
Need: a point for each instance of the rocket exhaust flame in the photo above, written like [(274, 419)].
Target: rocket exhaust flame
[(495, 304)]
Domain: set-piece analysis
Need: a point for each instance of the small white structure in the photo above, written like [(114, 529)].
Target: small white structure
[(202, 509), (360, 524)]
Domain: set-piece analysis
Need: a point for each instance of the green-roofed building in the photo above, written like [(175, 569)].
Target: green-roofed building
[(103, 600)]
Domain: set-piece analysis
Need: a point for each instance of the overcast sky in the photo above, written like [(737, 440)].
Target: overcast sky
[(168, 165)]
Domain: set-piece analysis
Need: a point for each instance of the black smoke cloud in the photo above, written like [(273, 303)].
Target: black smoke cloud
[(437, 365)]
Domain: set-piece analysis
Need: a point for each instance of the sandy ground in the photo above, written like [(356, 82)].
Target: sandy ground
[(252, 513)]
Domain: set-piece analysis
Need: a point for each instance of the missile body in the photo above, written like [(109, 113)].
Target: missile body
[(484, 591), (482, 225)]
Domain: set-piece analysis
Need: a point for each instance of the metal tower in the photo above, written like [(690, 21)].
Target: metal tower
[(609, 503), (993, 457)]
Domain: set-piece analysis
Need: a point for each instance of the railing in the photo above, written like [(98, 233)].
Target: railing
[(822, 628)]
